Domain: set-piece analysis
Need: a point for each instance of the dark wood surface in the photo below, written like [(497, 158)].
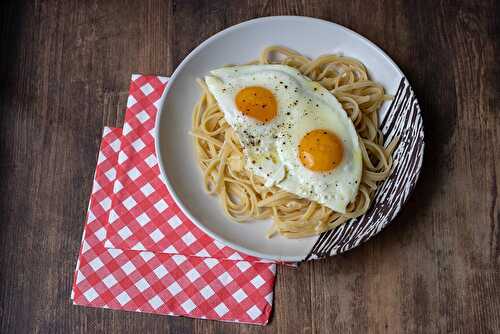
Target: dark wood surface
[(64, 74)]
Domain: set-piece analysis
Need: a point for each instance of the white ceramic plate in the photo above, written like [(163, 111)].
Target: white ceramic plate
[(238, 45)]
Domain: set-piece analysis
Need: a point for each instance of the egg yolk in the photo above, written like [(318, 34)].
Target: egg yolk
[(320, 151), (257, 102)]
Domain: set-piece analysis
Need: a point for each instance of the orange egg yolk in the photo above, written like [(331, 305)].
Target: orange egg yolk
[(320, 151), (257, 102)]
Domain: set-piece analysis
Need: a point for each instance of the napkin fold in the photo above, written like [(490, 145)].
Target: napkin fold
[(130, 259)]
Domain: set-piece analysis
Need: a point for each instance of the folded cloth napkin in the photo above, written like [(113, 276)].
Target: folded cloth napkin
[(144, 216), (197, 276)]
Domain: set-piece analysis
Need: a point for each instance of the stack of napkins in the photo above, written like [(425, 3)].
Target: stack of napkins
[(140, 253)]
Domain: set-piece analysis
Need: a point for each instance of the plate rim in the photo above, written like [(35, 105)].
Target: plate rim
[(178, 70)]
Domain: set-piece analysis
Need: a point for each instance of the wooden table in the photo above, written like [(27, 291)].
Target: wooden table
[(65, 69)]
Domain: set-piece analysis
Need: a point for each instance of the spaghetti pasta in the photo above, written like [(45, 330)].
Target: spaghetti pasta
[(244, 196)]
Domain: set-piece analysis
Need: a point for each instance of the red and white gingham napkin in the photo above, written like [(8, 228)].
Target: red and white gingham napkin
[(201, 278), (144, 215)]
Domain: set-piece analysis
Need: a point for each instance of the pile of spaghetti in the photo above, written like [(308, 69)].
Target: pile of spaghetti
[(244, 196)]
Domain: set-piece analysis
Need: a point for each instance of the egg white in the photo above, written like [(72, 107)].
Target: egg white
[(271, 148)]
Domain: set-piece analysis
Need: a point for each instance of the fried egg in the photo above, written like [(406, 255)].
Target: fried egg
[(294, 132)]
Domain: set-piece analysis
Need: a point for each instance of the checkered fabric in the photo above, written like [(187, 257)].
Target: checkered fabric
[(145, 281), (144, 215)]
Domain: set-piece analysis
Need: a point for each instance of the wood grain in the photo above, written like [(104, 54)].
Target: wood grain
[(64, 74)]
